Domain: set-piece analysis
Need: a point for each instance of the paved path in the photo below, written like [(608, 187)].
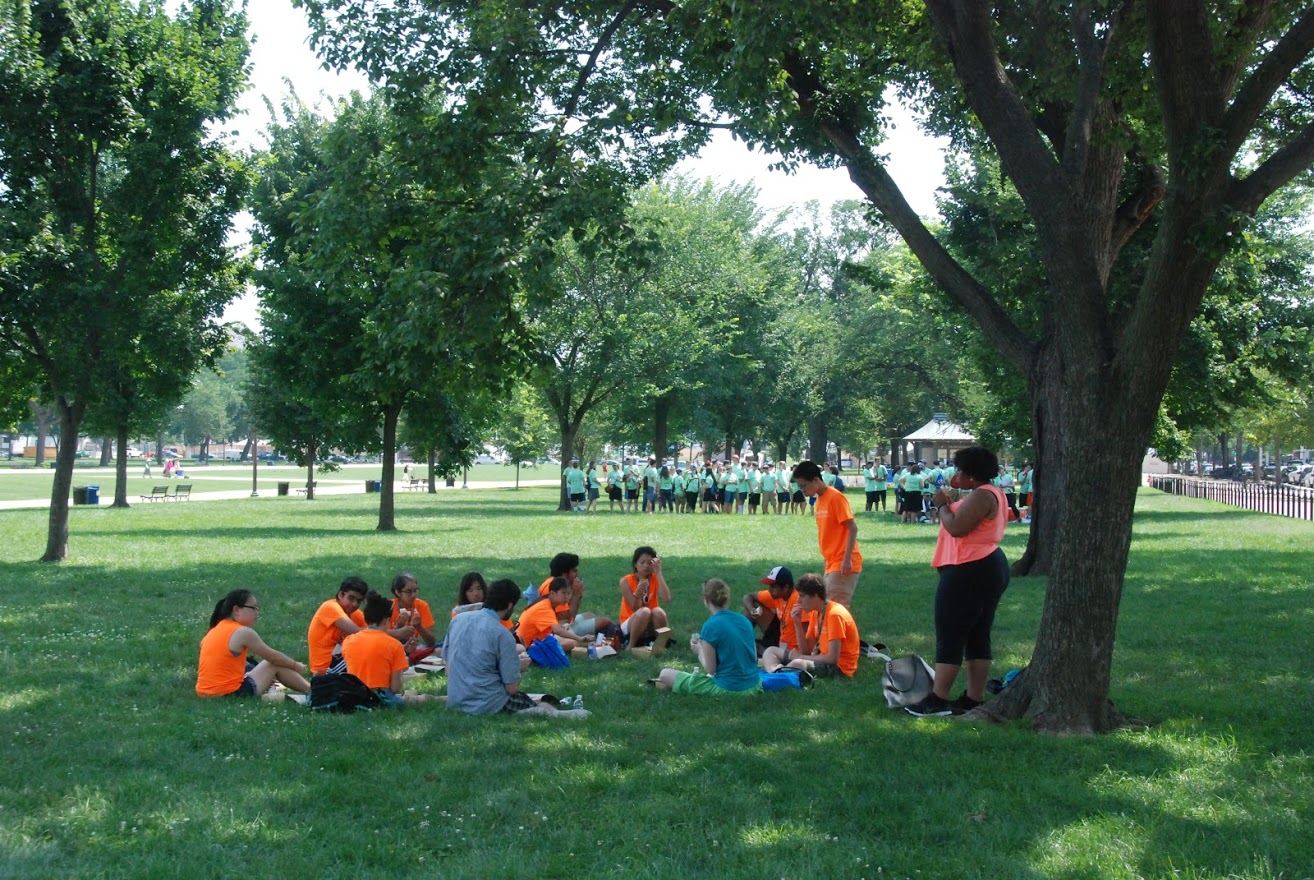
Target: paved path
[(325, 487)]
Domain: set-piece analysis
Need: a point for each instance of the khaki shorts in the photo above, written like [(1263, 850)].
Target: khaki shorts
[(840, 587)]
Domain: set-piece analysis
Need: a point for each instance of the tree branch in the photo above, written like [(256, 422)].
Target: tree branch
[(967, 30), (1258, 89), (1275, 171)]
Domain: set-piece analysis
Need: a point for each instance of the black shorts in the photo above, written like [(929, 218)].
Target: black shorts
[(754, 498), (871, 496), (798, 497), (576, 496), (782, 497), (614, 493), (631, 494)]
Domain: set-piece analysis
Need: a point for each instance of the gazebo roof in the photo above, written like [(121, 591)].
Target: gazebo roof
[(940, 431)]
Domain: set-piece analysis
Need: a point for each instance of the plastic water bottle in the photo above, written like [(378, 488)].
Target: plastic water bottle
[(579, 702), (593, 652)]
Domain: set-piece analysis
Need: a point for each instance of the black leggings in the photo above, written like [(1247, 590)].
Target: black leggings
[(965, 604)]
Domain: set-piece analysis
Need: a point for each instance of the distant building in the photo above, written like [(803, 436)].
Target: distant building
[(936, 440)]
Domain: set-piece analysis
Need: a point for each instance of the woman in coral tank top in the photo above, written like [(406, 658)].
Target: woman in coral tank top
[(973, 576), (222, 670)]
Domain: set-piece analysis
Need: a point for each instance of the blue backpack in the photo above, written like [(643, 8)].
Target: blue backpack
[(548, 653)]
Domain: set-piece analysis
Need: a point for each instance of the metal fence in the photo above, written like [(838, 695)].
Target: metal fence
[(1283, 500)]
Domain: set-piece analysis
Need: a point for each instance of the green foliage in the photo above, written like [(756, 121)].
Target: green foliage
[(116, 198)]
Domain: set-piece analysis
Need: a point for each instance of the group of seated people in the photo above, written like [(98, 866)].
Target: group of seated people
[(376, 638)]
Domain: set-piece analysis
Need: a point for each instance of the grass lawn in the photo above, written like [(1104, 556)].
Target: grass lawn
[(115, 769), (18, 484)]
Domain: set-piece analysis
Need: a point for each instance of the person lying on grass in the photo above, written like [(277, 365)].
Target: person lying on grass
[(377, 658), (410, 610), (827, 636), (483, 671), (725, 649), (221, 670)]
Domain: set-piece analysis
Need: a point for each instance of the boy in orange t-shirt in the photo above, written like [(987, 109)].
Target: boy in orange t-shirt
[(377, 658), (770, 609), (830, 644), (540, 619), (338, 618), (837, 533)]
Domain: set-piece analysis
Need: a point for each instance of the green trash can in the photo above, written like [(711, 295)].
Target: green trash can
[(93, 495), (369, 486), (283, 488), (79, 494)]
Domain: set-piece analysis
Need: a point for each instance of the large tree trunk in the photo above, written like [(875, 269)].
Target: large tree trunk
[(1048, 468), (433, 467), (387, 520), (1066, 687), (41, 416), (818, 438), (568, 431), (311, 450), (106, 450), (70, 421), (121, 468), (661, 418)]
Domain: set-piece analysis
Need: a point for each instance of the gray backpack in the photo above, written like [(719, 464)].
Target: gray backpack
[(907, 680)]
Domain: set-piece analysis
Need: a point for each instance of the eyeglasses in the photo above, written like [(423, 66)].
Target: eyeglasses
[(255, 608), (412, 591)]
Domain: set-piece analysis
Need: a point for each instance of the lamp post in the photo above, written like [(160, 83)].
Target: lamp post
[(255, 468)]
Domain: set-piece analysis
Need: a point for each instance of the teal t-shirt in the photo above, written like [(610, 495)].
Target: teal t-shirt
[(574, 481), (730, 633)]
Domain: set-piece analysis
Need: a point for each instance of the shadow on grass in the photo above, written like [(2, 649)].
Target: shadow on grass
[(114, 768)]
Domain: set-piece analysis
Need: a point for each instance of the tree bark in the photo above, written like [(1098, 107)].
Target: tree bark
[(70, 421), (818, 438), (387, 519), (42, 419), (106, 450), (433, 467), (661, 418), (569, 428), (311, 449), (121, 468)]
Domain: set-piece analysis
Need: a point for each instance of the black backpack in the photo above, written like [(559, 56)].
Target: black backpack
[(341, 692)]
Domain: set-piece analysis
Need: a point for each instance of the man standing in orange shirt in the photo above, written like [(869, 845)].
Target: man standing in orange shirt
[(837, 533)]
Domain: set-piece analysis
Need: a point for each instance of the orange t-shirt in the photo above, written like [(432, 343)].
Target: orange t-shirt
[(324, 635), (633, 581), (563, 610), (833, 512), (838, 625), (536, 621), (218, 672), (426, 615), (782, 608), (373, 656)]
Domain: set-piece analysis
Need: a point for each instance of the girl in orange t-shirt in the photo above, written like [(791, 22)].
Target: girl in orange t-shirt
[(642, 593), (221, 670)]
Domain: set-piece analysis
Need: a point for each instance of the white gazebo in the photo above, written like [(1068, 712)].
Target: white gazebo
[(936, 440)]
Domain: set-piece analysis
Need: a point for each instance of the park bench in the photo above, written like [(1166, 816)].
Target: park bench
[(414, 483), (180, 493), (159, 493), (301, 490)]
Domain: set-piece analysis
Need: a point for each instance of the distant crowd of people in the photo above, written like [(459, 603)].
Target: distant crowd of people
[(804, 627)]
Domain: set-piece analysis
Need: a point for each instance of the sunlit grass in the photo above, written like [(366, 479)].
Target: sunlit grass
[(114, 769)]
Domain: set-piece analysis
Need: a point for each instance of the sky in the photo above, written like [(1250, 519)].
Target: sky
[(281, 53)]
